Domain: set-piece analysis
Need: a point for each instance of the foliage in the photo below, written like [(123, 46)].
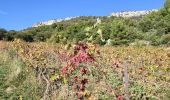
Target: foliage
[(17, 81), (121, 31), (64, 60), (45, 71), (167, 5), (77, 69), (2, 33)]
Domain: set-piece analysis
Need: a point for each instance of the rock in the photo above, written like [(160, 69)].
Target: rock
[(98, 21), (133, 13), (50, 22), (109, 42)]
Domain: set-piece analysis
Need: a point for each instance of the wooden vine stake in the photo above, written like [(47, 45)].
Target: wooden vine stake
[(126, 79)]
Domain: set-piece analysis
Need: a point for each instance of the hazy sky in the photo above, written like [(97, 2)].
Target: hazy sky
[(20, 14)]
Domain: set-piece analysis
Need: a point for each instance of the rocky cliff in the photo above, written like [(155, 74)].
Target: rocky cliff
[(133, 13), (116, 14), (50, 22)]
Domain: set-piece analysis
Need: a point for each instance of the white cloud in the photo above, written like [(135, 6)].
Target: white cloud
[(3, 12)]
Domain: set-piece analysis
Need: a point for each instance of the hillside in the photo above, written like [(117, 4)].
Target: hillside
[(124, 14), (151, 29), (125, 56)]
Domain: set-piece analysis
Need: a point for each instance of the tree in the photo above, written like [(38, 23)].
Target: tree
[(2, 33), (10, 35), (26, 36), (167, 5)]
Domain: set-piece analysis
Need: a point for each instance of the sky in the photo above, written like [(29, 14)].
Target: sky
[(21, 14)]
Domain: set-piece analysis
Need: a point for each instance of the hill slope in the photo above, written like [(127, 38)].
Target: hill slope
[(152, 29)]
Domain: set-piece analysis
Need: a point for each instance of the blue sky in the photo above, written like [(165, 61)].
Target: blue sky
[(20, 14)]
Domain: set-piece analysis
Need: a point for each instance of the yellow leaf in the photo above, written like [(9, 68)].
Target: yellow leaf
[(91, 98), (20, 97), (54, 77), (86, 94)]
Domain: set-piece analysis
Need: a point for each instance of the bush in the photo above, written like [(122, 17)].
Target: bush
[(165, 39)]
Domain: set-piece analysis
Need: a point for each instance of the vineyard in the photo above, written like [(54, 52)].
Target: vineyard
[(90, 57), (34, 71)]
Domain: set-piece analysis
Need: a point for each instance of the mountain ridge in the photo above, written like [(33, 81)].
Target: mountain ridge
[(123, 14)]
